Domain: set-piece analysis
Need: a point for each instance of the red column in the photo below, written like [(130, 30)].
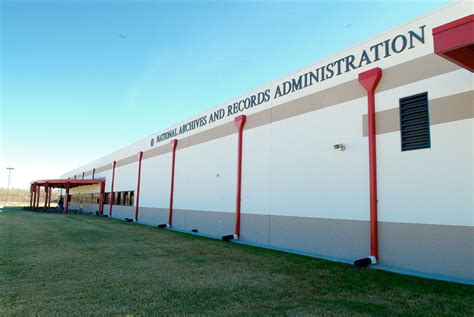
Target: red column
[(112, 188), (101, 197), (67, 198), (34, 197), (46, 194), (137, 206), (38, 192), (239, 123), (369, 80), (31, 196), (93, 173), (49, 196)]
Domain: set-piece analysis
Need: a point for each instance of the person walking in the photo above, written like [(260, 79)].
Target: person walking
[(61, 204)]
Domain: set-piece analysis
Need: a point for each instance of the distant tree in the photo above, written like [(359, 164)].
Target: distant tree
[(21, 197)]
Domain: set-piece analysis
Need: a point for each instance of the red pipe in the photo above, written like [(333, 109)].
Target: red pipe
[(369, 80), (239, 123), (111, 198), (140, 157), (174, 144)]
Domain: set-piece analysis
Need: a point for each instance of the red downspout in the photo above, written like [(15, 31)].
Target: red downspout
[(101, 197), (93, 173), (174, 144), (67, 198), (369, 80), (111, 198), (239, 123), (140, 157)]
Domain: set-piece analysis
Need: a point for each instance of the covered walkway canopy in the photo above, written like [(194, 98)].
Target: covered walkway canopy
[(49, 184)]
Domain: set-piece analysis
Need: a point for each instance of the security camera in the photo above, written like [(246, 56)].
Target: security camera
[(339, 146)]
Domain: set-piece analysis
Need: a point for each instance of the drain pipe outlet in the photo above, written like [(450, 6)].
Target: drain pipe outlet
[(230, 237), (365, 262), (164, 225)]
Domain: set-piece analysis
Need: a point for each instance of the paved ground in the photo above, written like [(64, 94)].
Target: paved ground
[(53, 264)]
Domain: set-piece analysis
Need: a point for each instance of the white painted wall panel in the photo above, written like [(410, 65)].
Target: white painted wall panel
[(429, 186), (256, 170), (155, 181), (311, 179), (108, 178), (439, 86), (181, 179), (126, 178), (211, 178)]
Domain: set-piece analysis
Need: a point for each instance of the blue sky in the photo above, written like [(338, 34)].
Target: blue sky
[(80, 79)]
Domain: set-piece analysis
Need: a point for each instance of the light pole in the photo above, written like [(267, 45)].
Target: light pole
[(10, 169)]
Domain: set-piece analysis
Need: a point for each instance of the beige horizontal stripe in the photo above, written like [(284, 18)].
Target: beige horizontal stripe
[(441, 110), (159, 150), (213, 133), (182, 143), (103, 168), (128, 160), (418, 69), (399, 75)]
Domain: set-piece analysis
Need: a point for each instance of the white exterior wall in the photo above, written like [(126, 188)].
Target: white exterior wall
[(155, 181), (211, 178), (256, 173), (290, 168), (309, 177), (429, 186)]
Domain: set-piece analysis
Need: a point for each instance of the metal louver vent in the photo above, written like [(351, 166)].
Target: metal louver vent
[(415, 122)]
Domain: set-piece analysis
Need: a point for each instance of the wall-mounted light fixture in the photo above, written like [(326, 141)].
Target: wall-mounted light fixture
[(339, 146)]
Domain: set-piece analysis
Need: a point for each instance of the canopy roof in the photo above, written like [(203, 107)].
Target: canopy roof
[(62, 183), (455, 41)]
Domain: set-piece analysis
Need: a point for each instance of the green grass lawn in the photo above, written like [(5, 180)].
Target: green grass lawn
[(53, 264)]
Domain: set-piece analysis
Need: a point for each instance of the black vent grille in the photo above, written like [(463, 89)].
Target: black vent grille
[(415, 122)]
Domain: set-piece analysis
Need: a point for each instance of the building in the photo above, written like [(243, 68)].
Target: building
[(368, 152)]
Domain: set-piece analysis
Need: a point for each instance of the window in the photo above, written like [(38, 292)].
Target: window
[(415, 122), (120, 198)]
